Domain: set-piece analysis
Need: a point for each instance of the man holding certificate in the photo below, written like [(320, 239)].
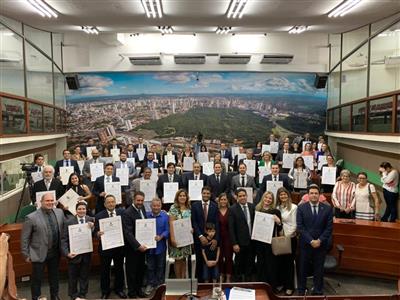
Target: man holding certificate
[(169, 177), (116, 254), (66, 162), (99, 184), (135, 252), (125, 171), (194, 175), (274, 176), (48, 183)]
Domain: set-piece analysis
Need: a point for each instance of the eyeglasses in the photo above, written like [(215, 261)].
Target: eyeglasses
[(362, 177)]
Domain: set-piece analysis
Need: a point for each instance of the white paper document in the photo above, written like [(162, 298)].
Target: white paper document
[(148, 187), (241, 156), (115, 154), (188, 163), (96, 170), (288, 160), (132, 160), (274, 147), (321, 161), (251, 167), (273, 186), (39, 195), (69, 199), (37, 176), (263, 227), (183, 232), (170, 189), (328, 175), (225, 161), (234, 151), (141, 152), (154, 175), (123, 175), (208, 168), (145, 232), (168, 159), (265, 148), (195, 187), (300, 180), (113, 236), (65, 172), (202, 157), (80, 239), (263, 171), (238, 293), (309, 161), (114, 188), (89, 152)]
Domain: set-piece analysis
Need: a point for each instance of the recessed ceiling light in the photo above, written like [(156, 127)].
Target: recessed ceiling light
[(236, 9), (166, 29), (152, 8), (298, 29), (343, 8), (223, 30), (42, 8), (90, 29)]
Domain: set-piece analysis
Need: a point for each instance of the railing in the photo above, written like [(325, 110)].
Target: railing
[(22, 116), (378, 114)]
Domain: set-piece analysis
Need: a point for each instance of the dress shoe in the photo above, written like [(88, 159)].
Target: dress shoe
[(121, 294), (105, 296)]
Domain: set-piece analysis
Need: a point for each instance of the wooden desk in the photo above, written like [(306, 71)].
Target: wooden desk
[(370, 248)]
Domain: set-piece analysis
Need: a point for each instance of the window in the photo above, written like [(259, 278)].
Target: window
[(59, 88), (35, 117), (335, 43), (336, 116), (334, 88), (11, 175), (13, 116), (353, 39), (57, 52), (40, 38), (345, 118), (380, 115), (48, 113), (358, 117)]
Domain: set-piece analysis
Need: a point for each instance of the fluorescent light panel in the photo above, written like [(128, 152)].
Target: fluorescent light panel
[(223, 30), (236, 9), (152, 8), (42, 8), (298, 29), (344, 8), (90, 29), (166, 29)]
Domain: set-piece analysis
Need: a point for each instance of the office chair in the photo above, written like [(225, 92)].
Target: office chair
[(332, 263)]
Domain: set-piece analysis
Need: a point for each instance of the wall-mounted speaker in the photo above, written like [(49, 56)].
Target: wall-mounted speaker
[(320, 80), (72, 82)]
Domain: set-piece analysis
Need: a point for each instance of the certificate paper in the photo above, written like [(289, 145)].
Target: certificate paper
[(251, 167), (288, 160), (141, 152), (170, 189), (183, 232), (65, 172), (195, 187), (69, 199), (154, 174), (39, 197), (328, 175), (234, 151), (145, 232), (202, 157), (113, 188), (89, 152), (241, 156), (265, 148), (226, 162), (188, 163), (36, 176), (96, 170), (148, 187), (274, 146), (80, 239), (123, 175), (208, 168), (168, 159), (309, 161), (273, 186), (321, 161), (115, 154), (263, 227), (113, 236), (132, 160), (263, 171)]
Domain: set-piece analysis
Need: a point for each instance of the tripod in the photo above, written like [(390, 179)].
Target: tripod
[(28, 181)]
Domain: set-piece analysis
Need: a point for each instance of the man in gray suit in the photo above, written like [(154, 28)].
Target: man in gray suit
[(135, 187), (40, 244), (86, 167), (124, 164), (242, 180)]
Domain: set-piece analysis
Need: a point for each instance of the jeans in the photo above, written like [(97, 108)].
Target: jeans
[(156, 269), (210, 272)]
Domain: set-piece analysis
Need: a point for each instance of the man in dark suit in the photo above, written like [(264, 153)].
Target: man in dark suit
[(242, 180), (194, 175), (66, 162), (170, 176), (140, 144), (237, 159), (114, 145), (157, 155), (90, 143), (135, 252), (98, 187), (314, 223), (48, 183), (149, 162), (225, 152), (130, 153), (40, 245), (241, 218), (279, 156), (203, 212), (274, 176), (169, 151), (218, 182), (107, 256)]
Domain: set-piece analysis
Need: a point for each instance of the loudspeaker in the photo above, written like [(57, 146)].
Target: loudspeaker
[(72, 82), (320, 81)]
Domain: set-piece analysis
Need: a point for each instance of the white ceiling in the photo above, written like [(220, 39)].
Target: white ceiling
[(261, 16)]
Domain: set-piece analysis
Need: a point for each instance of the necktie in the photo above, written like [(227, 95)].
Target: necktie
[(195, 177), (315, 215), (111, 214), (171, 178), (243, 184), (108, 179), (67, 163), (205, 212), (223, 153), (218, 178), (81, 220), (141, 214), (247, 217), (275, 178), (94, 160), (47, 184), (39, 169), (53, 228)]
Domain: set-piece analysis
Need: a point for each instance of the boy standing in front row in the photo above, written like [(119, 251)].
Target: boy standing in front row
[(211, 257)]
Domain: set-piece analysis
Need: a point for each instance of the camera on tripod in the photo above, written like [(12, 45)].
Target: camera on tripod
[(28, 168)]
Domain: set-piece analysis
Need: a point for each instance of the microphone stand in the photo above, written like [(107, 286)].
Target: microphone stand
[(190, 296)]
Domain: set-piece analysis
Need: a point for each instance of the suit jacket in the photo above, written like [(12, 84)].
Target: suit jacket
[(133, 154), (236, 182), (98, 188), (65, 239), (198, 222), (164, 178), (112, 147), (129, 218), (103, 215), (40, 186), (60, 163), (228, 154), (217, 188), (173, 153), (190, 176), (144, 164), (238, 228), (35, 234), (144, 146), (279, 156), (263, 186), (86, 166), (131, 167), (311, 229)]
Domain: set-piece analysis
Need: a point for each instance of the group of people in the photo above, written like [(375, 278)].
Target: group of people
[(222, 219)]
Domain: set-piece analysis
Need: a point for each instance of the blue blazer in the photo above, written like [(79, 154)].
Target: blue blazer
[(198, 221), (320, 229)]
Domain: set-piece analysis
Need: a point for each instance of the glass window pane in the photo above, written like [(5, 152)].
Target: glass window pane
[(345, 118), (35, 117), (354, 76), (334, 88), (385, 66), (14, 25), (13, 114), (59, 88), (39, 75), (11, 63), (375, 27), (57, 42), (353, 39), (336, 115), (48, 119), (39, 38), (398, 114), (334, 41), (380, 115), (358, 116), (11, 173)]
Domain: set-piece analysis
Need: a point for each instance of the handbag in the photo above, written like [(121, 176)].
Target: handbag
[(281, 245)]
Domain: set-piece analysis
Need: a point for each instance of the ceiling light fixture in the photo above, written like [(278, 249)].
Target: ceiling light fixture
[(90, 29), (166, 29), (236, 9), (343, 8), (223, 30), (152, 8), (42, 8), (298, 29)]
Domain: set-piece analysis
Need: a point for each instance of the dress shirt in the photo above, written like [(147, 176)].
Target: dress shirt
[(107, 178), (196, 176), (217, 176), (123, 164), (162, 229), (243, 180), (47, 183), (170, 178), (247, 216), (111, 213), (150, 164), (81, 220), (275, 177), (139, 211), (67, 163)]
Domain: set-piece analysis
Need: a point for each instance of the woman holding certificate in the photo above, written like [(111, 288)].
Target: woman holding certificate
[(179, 210), (330, 163), (267, 266), (81, 189), (300, 175)]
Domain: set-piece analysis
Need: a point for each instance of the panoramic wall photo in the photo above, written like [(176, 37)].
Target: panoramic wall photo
[(176, 106)]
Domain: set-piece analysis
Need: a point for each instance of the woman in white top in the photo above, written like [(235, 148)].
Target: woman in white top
[(288, 213), (390, 180), (343, 196), (300, 175), (364, 211)]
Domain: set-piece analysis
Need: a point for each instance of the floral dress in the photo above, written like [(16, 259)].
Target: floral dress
[(182, 252)]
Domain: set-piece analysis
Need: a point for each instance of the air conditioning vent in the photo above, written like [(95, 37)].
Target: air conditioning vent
[(234, 59), (145, 60), (190, 59), (277, 59)]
